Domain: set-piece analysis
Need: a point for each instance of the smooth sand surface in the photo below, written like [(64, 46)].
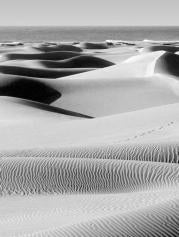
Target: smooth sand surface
[(89, 153)]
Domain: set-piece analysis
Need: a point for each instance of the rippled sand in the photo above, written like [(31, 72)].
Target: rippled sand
[(89, 139)]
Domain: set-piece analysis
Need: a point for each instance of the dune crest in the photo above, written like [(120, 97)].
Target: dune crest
[(94, 45), (60, 47), (167, 48)]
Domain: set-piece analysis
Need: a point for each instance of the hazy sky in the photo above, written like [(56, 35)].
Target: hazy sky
[(89, 12)]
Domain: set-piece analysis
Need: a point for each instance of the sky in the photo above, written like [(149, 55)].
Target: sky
[(89, 12)]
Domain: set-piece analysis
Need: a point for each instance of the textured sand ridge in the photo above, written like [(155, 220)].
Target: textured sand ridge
[(89, 139), (41, 175)]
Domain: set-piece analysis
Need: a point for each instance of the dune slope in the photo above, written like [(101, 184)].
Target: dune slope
[(168, 64)]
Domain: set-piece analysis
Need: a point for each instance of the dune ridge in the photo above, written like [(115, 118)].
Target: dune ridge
[(84, 61), (94, 45), (167, 48), (40, 73), (163, 152), (60, 47), (44, 56), (63, 176)]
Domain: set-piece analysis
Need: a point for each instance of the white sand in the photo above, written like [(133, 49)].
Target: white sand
[(117, 174)]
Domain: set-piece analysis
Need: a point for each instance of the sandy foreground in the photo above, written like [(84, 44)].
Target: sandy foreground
[(89, 139)]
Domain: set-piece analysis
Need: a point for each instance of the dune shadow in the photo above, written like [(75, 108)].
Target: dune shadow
[(57, 55), (27, 88), (41, 72), (168, 63), (53, 109)]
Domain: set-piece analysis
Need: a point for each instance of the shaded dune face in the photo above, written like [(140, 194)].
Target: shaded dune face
[(168, 63), (40, 72), (44, 56), (61, 47), (59, 176), (91, 45), (27, 88), (83, 61), (48, 108), (171, 49)]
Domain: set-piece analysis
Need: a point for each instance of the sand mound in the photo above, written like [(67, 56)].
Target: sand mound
[(28, 110), (168, 64), (126, 131), (25, 111), (171, 49), (70, 215), (53, 109), (94, 45), (27, 88), (100, 95), (40, 56), (61, 47), (40, 72), (151, 152), (84, 61), (71, 175), (137, 223)]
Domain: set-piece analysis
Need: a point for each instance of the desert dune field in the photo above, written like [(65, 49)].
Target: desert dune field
[(89, 141)]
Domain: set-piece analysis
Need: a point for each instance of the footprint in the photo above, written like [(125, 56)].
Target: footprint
[(160, 128)]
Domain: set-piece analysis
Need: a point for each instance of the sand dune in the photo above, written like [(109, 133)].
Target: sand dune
[(157, 125), (41, 72), (151, 152), (84, 61), (23, 111), (78, 62), (91, 154), (168, 48), (138, 223), (99, 95), (28, 216), (44, 56), (27, 88), (73, 175), (103, 88), (94, 45), (19, 111), (169, 64), (60, 47)]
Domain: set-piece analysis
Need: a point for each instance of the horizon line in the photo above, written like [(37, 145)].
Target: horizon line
[(89, 25)]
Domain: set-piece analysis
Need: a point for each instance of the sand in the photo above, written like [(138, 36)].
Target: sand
[(89, 139)]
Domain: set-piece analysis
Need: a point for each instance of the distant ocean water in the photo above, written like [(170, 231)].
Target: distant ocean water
[(39, 34)]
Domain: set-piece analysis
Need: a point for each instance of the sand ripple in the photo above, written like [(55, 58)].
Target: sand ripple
[(163, 152), (25, 176)]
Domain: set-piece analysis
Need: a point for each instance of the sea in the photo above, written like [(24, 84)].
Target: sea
[(100, 33)]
